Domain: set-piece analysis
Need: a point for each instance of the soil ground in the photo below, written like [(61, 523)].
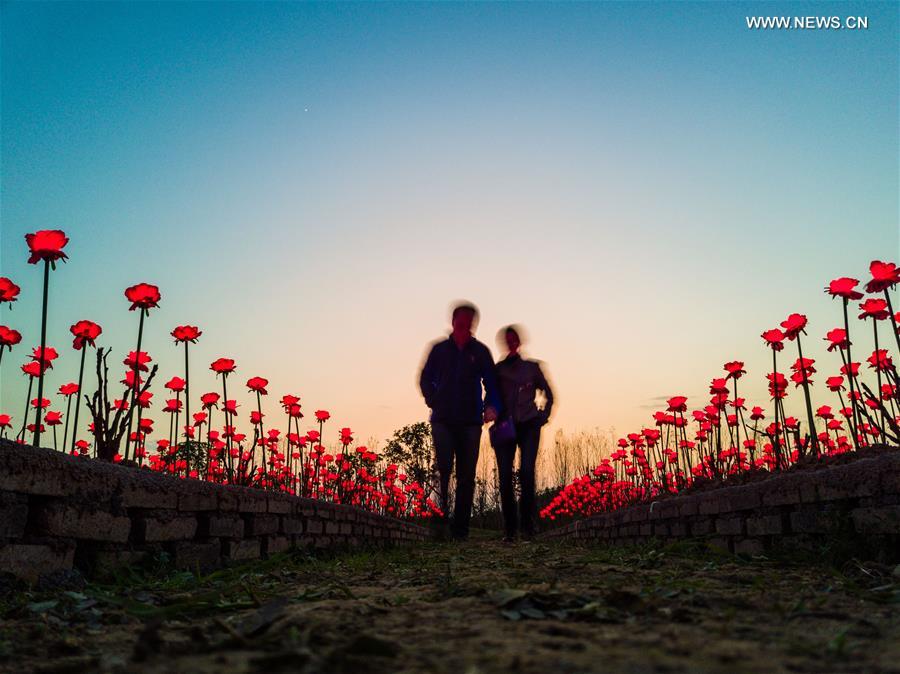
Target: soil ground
[(471, 608)]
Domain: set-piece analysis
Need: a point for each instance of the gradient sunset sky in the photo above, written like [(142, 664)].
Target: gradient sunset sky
[(646, 187)]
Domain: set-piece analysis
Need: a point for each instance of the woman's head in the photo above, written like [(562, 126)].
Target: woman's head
[(511, 338)]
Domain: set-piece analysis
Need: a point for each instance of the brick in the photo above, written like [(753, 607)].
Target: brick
[(140, 495), (782, 493), (58, 518), (332, 528), (248, 548), (33, 560), (252, 501), (764, 525), (720, 543), (885, 520), (260, 524), (198, 500), (346, 528), (13, 514), (815, 520), (746, 498), (291, 525), (280, 505), (678, 529), (202, 555), (687, 506), (749, 547), (220, 526), (709, 504), (730, 526), (274, 544), (701, 526), (164, 526)]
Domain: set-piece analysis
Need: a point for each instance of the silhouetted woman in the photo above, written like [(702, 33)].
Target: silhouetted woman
[(519, 380)]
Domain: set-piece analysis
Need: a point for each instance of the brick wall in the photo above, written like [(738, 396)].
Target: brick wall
[(855, 504), (58, 512)]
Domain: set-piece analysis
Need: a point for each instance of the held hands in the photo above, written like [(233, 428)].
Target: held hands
[(490, 414)]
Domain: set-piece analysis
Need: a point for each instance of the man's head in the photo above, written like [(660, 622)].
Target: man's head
[(464, 319)]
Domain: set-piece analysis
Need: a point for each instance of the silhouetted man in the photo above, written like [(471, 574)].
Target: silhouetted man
[(451, 382)]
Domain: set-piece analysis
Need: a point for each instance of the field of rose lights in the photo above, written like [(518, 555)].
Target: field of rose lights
[(724, 440), (120, 429)]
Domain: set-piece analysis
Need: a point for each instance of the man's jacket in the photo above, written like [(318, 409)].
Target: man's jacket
[(452, 379)]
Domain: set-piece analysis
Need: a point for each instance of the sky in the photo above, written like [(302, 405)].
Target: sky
[(645, 187)]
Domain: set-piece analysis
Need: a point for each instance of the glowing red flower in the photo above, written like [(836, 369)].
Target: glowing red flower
[(172, 405), (53, 418), (837, 339), (45, 357), (9, 337), (199, 418), (85, 332), (132, 381), (44, 402), (258, 384), (757, 413), (346, 436), (231, 406), (186, 333), (774, 339), (5, 421), (834, 383), (288, 401), (209, 400), (256, 417), (9, 291), (138, 360), (223, 366), (874, 308), (777, 385), (880, 360), (854, 370), (68, 389), (322, 415), (884, 275), (32, 368), (142, 296), (718, 387), (844, 287), (46, 244), (175, 384), (735, 369), (794, 325), (677, 404)]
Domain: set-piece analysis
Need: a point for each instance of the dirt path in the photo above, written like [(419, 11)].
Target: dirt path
[(478, 607)]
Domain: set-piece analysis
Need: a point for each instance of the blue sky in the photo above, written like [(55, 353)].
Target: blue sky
[(646, 187)]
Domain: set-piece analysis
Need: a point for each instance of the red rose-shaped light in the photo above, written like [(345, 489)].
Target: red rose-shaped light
[(9, 291), (9, 337), (258, 384), (85, 333), (68, 389), (874, 308), (794, 325), (322, 415), (774, 338), (223, 366), (46, 244), (844, 287), (142, 296), (186, 333), (884, 275)]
